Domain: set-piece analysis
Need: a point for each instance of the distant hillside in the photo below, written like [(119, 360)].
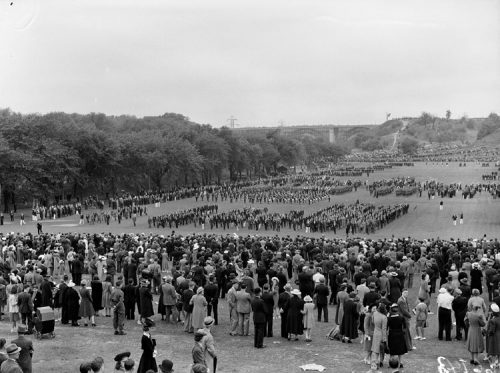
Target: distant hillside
[(428, 129)]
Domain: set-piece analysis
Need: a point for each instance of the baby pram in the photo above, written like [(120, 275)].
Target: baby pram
[(44, 322)]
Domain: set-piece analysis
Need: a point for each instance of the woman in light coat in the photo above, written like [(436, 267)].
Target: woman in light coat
[(379, 339), (199, 309)]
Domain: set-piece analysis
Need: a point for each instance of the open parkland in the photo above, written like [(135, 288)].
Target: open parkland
[(425, 220)]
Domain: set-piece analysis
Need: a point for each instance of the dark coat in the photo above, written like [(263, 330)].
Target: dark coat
[(321, 292), (350, 321), (259, 311), (396, 335), (25, 302), (294, 317), (146, 302), (63, 288), (395, 289), (72, 304), (26, 353), (268, 303), (46, 289), (96, 286), (147, 360), (306, 284)]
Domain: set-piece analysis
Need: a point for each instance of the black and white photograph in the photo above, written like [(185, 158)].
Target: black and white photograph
[(235, 186)]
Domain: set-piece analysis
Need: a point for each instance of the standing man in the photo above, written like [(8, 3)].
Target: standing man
[(243, 307), (404, 310), (117, 298), (284, 304), (459, 306), (211, 292), (233, 313), (321, 293), (208, 342), (129, 299), (268, 299), (11, 365), (444, 303), (25, 304), (259, 319), (169, 297), (26, 347)]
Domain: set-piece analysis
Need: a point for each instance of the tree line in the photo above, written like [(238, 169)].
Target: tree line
[(55, 154)]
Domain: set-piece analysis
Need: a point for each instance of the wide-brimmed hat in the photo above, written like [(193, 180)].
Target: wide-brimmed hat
[(22, 329), (209, 320), (71, 284), (199, 290), (296, 292), (12, 349), (394, 305), (307, 298), (494, 307), (120, 356), (442, 291)]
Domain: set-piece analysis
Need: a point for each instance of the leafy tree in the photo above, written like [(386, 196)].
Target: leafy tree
[(409, 145)]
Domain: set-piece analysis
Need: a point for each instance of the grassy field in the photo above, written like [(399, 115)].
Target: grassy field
[(236, 354)]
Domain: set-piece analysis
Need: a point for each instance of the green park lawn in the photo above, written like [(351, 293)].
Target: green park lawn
[(73, 346)]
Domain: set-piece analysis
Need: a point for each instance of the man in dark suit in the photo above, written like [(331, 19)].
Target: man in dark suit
[(129, 294), (211, 292), (268, 299), (26, 346), (25, 304), (306, 283), (321, 292), (259, 318)]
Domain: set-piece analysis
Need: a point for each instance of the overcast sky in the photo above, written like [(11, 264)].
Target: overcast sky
[(263, 61)]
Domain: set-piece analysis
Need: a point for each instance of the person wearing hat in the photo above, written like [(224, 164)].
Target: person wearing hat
[(396, 335), (231, 302), (27, 350), (465, 287), (208, 342), (86, 311), (259, 318), (476, 277), (459, 307), (211, 291), (72, 301), (350, 321), (475, 340), (321, 293), (118, 305), (493, 335), (199, 368), (295, 324), (11, 365), (198, 351), (444, 303), (120, 361), (243, 307), (166, 366), (148, 346), (308, 313)]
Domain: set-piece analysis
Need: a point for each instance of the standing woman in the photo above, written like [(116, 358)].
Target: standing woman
[(308, 313), (96, 286), (199, 303), (107, 287), (294, 318), (13, 308), (350, 323), (341, 298), (148, 346), (396, 335), (493, 336), (72, 300), (379, 340), (475, 341), (476, 277), (424, 290), (86, 307), (369, 329)]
